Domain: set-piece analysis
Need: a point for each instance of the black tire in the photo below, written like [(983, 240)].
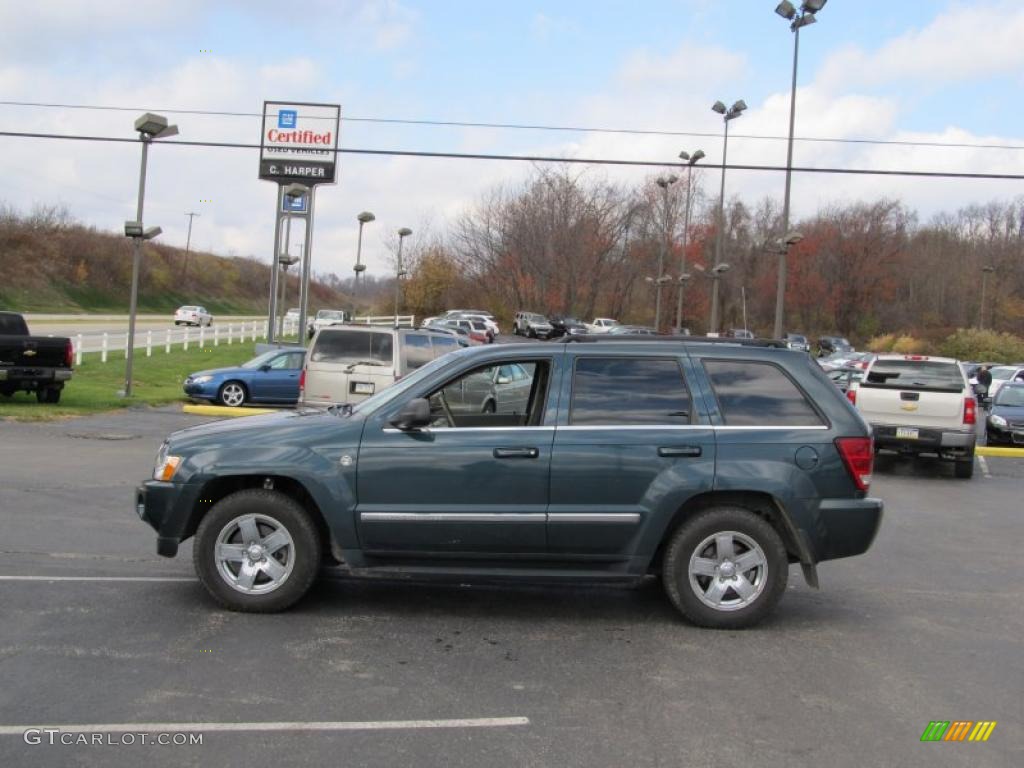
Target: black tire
[(771, 577), (964, 470), (532, 334), (176, 322), (991, 439), (515, 329), (305, 549), (49, 395), (226, 395)]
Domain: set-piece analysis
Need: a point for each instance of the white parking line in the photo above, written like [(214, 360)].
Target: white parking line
[(367, 725), (984, 467), (98, 578)]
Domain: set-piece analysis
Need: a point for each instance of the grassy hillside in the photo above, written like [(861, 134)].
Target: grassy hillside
[(51, 263)]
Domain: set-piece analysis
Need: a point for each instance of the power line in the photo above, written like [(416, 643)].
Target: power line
[(538, 158), (535, 127)]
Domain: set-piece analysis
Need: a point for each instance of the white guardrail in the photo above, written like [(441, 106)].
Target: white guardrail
[(215, 335)]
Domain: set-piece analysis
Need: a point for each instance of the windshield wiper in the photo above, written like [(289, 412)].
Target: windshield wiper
[(361, 362)]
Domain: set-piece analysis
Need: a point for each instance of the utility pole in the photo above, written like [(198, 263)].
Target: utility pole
[(188, 243)]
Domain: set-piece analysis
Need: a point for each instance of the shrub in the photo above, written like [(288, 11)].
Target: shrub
[(882, 343), (908, 345), (984, 346)]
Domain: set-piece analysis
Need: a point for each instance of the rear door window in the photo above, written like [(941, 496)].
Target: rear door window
[(353, 347), (756, 394), (628, 391)]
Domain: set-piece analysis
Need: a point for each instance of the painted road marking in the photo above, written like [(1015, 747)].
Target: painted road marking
[(984, 467), (98, 578), (366, 725)]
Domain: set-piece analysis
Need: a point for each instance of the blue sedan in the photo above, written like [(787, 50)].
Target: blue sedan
[(272, 377)]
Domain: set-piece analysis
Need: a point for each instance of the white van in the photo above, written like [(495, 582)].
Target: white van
[(349, 363)]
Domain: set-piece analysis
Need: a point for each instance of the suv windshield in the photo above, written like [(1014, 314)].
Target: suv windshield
[(1003, 372), (915, 374), (350, 346)]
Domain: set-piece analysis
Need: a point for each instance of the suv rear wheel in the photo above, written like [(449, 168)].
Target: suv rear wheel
[(257, 551), (725, 568)]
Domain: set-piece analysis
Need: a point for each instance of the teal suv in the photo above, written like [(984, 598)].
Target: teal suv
[(713, 466)]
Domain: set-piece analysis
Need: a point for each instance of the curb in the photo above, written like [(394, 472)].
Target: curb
[(986, 450), (223, 410)]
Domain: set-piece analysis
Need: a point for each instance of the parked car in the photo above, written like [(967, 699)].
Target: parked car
[(461, 335), (272, 377), (499, 389), (476, 331), (40, 364), (919, 404), (738, 333), (487, 319), (828, 345), (192, 315), (1003, 374), (601, 325), (798, 342), (325, 318), (632, 330), (349, 363), (617, 467), (533, 325), (566, 325), (1005, 422)]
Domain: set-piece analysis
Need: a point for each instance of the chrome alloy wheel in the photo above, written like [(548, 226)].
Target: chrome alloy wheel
[(232, 395), (255, 554), (728, 571)]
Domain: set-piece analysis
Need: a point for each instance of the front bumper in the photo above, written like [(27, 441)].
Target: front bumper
[(205, 391), (166, 507), (928, 440), (1007, 434), (849, 526)]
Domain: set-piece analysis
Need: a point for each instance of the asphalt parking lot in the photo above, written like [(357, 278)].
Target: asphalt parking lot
[(928, 625)]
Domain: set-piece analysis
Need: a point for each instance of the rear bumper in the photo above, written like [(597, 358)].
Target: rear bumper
[(24, 377), (849, 526), (928, 440)]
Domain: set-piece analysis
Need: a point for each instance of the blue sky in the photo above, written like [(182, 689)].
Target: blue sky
[(933, 71)]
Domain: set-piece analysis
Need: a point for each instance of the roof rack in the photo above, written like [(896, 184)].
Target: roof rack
[(598, 338)]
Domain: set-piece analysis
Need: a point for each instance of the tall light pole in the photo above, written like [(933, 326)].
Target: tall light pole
[(729, 114), (364, 218), (664, 182), (716, 276), (690, 160), (150, 127), (188, 244), (798, 19), (403, 233), (985, 272)]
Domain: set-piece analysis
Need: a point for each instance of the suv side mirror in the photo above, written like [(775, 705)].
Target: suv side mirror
[(265, 367), (414, 415)]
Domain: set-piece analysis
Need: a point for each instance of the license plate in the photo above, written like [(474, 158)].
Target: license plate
[(362, 387), (908, 433)]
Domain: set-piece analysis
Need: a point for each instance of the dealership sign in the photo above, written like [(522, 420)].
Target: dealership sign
[(298, 142)]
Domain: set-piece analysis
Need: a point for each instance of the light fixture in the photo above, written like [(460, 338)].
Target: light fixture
[(794, 237), (786, 10), (133, 229), (155, 126), (720, 269), (404, 232), (365, 217), (719, 107), (151, 232), (813, 6)]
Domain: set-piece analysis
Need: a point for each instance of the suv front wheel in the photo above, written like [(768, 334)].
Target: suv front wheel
[(725, 568), (256, 551)]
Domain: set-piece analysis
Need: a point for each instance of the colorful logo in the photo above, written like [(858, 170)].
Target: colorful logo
[(958, 730), (287, 118)]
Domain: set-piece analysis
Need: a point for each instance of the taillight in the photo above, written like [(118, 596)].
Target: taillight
[(69, 353), (858, 454), (302, 382), (970, 410), (851, 395)]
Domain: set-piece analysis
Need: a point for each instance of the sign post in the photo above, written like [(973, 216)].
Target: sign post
[(298, 145)]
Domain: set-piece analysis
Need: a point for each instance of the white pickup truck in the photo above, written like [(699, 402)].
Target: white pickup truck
[(919, 404)]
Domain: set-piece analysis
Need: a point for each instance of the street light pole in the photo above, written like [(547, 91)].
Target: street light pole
[(985, 271), (363, 218), (731, 113), (403, 233), (664, 182), (691, 160), (716, 277), (798, 19)]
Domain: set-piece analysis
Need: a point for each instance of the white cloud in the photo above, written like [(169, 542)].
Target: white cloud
[(644, 69)]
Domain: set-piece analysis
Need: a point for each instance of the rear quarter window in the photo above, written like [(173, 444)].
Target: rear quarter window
[(759, 394)]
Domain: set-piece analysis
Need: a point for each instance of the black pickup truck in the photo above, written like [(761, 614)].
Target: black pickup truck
[(39, 364)]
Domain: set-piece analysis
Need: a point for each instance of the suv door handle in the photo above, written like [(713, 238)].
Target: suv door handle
[(680, 450), (516, 453)]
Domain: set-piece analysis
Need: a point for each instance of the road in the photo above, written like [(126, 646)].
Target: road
[(926, 626)]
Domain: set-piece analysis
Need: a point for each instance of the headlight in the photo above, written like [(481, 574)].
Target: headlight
[(997, 420), (201, 379), (166, 465)]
